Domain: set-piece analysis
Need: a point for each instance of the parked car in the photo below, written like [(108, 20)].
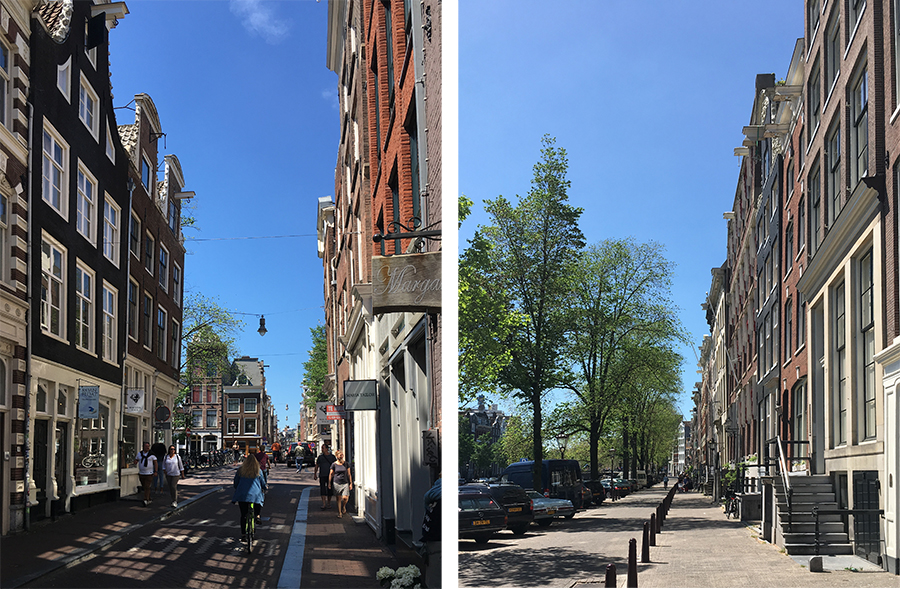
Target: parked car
[(304, 451), (548, 508), (587, 496), (597, 489), (513, 499), (559, 478), (480, 517), (621, 487)]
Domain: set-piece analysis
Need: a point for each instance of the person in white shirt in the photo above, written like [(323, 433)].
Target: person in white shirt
[(147, 466), (174, 469)]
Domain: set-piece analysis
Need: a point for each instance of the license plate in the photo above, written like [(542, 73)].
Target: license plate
[(481, 522), (511, 509), (551, 511)]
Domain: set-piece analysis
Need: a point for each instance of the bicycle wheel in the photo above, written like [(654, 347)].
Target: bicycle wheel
[(251, 527)]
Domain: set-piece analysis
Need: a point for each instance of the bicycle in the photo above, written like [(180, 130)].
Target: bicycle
[(732, 507), (250, 526)]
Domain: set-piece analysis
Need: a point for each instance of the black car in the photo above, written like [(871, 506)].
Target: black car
[(513, 499), (598, 490), (480, 517), (303, 452)]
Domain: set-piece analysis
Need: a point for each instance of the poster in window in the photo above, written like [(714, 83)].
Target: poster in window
[(88, 402)]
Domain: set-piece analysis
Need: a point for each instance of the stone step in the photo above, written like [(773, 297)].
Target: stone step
[(829, 538), (833, 549), (799, 527), (810, 497), (807, 518), (805, 507)]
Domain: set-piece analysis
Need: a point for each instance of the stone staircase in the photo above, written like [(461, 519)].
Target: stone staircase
[(799, 527)]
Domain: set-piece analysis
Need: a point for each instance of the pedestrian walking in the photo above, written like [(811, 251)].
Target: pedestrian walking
[(298, 458), (340, 481), (174, 468), (665, 481), (237, 452), (147, 466), (249, 487), (431, 535), (159, 481), (321, 471)]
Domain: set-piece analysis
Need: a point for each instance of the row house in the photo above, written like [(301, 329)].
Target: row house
[(15, 33), (247, 406), (80, 385), (382, 229), (827, 326), (206, 407)]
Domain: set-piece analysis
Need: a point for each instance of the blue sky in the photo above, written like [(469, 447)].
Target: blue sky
[(250, 109), (647, 97)]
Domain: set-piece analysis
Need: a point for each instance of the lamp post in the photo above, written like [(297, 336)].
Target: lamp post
[(562, 440)]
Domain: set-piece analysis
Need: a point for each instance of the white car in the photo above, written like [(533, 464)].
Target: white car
[(547, 508)]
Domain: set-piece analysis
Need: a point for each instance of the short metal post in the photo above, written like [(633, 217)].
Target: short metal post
[(645, 543), (610, 576), (816, 515), (658, 519), (632, 564), (652, 529)]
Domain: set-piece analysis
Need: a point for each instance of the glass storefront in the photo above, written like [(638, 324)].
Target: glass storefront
[(92, 448)]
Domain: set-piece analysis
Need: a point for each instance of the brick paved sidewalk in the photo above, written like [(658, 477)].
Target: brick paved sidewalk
[(50, 545), (698, 547)]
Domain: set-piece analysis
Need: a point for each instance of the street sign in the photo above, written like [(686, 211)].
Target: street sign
[(333, 412), (162, 425), (162, 413)]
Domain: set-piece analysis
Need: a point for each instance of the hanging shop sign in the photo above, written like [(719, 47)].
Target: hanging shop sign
[(409, 283), (320, 411), (333, 412), (360, 395), (134, 401), (88, 402)]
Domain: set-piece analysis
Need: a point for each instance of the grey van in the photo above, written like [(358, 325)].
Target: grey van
[(559, 478)]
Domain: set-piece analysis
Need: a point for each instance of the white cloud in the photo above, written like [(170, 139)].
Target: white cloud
[(259, 19), (332, 97)]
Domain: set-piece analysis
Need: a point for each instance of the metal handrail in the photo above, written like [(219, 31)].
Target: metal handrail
[(782, 466), (816, 512)]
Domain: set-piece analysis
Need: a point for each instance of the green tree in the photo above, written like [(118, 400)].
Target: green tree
[(485, 319), (208, 339), (535, 248), (315, 369), (515, 442), (620, 308)]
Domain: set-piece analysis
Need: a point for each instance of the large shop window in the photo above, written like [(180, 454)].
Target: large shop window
[(91, 449), (129, 440)]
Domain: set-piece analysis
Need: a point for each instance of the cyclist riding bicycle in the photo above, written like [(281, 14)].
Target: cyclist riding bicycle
[(249, 487)]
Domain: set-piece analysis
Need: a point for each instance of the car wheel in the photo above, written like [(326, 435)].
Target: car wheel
[(571, 515), (482, 538), (544, 523), (520, 530)]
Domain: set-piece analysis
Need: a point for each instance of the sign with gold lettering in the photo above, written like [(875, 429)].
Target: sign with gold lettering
[(409, 282)]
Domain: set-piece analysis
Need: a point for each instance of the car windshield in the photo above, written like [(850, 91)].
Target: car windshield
[(472, 502), (534, 495)]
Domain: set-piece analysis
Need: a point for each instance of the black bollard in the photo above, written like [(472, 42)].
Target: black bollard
[(610, 576), (645, 543), (652, 529), (658, 519), (632, 564)]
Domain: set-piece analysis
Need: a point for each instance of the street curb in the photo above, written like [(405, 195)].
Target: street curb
[(85, 553)]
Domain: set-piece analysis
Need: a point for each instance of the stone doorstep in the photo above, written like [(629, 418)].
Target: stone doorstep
[(838, 563)]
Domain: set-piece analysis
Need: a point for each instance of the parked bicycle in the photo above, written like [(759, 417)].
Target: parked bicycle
[(732, 506)]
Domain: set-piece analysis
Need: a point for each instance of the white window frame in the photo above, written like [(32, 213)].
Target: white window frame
[(6, 86), (228, 405), (89, 114), (135, 228), (60, 203), (64, 79), (110, 323), (147, 315), (147, 175), (255, 402), (149, 253), (86, 198), (5, 260), (175, 344), (247, 421), (112, 221), (134, 310), (215, 419), (176, 283), (162, 331), (91, 53), (46, 303), (110, 146), (84, 307), (163, 267), (859, 124)]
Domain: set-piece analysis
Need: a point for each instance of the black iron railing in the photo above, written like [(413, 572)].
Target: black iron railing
[(854, 512)]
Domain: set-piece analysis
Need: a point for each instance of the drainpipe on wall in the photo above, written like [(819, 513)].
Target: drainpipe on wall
[(130, 186), (28, 337)]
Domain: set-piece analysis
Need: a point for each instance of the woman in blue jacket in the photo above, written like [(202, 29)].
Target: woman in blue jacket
[(249, 485)]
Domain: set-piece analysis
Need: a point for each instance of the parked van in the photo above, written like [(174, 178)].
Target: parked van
[(560, 479)]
